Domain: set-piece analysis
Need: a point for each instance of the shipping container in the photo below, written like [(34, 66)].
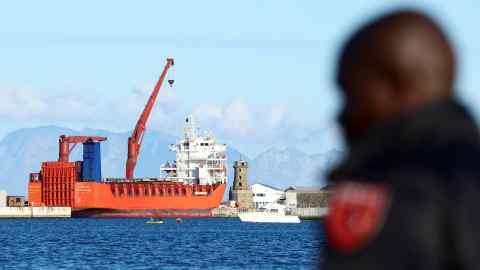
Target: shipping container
[(92, 165)]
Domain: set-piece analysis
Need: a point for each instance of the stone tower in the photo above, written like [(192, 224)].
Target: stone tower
[(240, 192)]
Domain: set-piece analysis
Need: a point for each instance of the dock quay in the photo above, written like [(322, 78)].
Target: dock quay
[(310, 213), (35, 212), (225, 212)]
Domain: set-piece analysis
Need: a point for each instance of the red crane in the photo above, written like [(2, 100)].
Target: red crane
[(135, 141), (64, 142)]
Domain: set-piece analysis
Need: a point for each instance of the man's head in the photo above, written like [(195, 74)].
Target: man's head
[(391, 66)]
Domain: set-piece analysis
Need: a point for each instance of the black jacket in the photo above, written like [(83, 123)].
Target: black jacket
[(430, 159)]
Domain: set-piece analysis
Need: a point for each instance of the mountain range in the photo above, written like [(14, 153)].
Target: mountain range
[(291, 167), (23, 150)]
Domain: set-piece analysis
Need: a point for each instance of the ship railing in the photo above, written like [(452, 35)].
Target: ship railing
[(177, 177), (171, 178), (167, 179), (168, 168), (113, 180), (216, 159), (216, 168), (191, 179), (204, 157)]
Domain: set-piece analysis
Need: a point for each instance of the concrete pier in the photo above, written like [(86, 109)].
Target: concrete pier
[(311, 212), (35, 212)]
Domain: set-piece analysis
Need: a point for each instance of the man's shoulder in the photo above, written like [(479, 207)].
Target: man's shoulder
[(463, 155)]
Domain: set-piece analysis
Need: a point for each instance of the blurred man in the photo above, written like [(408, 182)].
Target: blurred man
[(406, 196)]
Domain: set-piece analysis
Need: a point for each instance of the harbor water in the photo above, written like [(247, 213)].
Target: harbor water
[(132, 244)]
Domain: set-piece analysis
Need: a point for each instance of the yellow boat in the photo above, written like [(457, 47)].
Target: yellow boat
[(155, 221)]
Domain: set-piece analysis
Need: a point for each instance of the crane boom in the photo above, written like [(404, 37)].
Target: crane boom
[(135, 141), (65, 141)]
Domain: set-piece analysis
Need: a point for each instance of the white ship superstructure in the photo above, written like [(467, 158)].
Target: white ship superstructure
[(199, 159)]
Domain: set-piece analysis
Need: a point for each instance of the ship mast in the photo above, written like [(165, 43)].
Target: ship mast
[(135, 141), (190, 136)]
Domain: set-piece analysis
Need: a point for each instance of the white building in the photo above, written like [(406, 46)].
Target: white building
[(264, 194), (3, 198)]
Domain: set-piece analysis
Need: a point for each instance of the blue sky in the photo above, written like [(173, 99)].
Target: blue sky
[(257, 73)]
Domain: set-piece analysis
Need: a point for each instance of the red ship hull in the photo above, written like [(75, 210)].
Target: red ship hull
[(141, 213), (58, 184)]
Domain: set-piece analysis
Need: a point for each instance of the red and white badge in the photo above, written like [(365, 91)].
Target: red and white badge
[(357, 212)]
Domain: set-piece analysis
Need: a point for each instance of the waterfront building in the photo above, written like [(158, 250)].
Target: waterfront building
[(15, 201), (306, 197), (265, 194)]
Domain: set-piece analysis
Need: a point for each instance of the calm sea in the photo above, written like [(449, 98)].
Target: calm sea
[(132, 244)]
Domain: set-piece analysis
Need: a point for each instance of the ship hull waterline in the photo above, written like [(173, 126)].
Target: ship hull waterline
[(140, 213)]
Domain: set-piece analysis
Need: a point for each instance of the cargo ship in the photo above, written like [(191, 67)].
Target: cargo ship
[(190, 186)]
